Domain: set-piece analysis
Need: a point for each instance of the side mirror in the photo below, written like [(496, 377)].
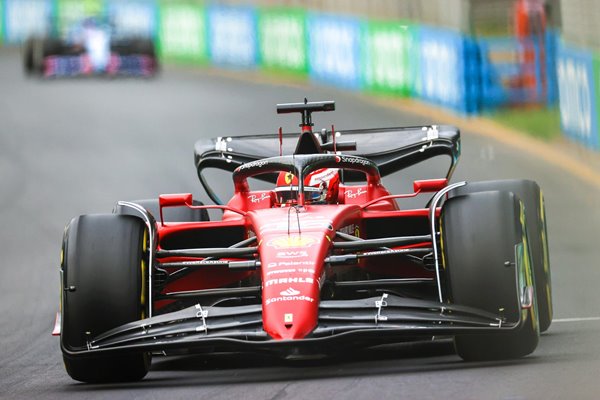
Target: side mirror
[(430, 185), (173, 200)]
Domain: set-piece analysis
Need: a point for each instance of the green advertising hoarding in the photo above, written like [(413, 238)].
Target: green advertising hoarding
[(183, 31), (71, 12), (385, 51), (282, 40)]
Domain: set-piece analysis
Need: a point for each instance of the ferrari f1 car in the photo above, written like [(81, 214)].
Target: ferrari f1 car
[(323, 260), (90, 48)]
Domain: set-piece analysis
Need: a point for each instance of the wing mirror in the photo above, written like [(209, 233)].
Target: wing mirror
[(430, 185), (173, 200)]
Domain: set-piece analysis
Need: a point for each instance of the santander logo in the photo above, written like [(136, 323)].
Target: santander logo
[(289, 292)]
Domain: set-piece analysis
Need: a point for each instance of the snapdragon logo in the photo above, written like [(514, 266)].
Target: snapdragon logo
[(253, 164)]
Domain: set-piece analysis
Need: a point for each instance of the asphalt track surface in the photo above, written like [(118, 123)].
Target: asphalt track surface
[(69, 147)]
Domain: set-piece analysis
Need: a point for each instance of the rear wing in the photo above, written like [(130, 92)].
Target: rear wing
[(391, 149)]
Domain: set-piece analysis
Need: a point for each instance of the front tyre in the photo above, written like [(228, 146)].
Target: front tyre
[(533, 199), (104, 278), (487, 264)]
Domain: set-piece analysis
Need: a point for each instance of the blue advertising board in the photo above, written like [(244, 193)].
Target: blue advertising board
[(448, 71), (1, 21), (334, 50), (232, 36), (24, 18), (518, 71), (577, 95), (501, 72), (133, 17)]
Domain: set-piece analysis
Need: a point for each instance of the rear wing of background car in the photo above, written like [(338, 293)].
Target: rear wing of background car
[(391, 149)]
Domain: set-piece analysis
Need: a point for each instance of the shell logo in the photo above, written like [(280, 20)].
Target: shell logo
[(292, 241)]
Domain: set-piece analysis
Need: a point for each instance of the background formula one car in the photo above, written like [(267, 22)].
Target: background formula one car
[(90, 48), (323, 260)]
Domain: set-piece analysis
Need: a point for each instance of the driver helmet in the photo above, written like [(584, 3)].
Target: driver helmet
[(320, 187)]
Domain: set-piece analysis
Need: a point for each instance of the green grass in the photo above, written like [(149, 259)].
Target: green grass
[(542, 123)]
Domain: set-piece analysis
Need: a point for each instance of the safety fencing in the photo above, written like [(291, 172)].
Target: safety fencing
[(395, 58)]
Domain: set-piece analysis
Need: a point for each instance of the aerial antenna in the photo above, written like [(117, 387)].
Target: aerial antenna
[(280, 141), (295, 207), (333, 138)]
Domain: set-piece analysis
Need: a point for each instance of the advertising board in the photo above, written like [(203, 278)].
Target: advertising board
[(182, 32), (282, 39)]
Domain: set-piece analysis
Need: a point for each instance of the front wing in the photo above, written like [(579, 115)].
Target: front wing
[(78, 65), (364, 322)]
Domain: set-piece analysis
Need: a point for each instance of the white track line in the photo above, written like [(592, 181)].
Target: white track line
[(576, 319)]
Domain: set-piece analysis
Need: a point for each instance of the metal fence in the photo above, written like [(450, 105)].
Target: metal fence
[(581, 25), (478, 17)]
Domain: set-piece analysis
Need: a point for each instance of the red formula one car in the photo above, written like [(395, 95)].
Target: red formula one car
[(323, 260)]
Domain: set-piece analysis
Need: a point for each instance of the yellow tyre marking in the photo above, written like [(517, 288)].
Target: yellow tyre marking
[(143, 292), (528, 266), (548, 288), (442, 245)]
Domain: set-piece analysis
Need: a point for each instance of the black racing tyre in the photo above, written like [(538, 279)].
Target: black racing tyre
[(481, 232), (532, 197), (27, 50), (145, 47), (104, 277), (134, 46), (52, 47), (34, 56), (174, 214)]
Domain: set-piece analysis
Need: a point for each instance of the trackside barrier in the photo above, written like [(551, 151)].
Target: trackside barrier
[(182, 32), (517, 71), (1, 22), (552, 40), (578, 77), (447, 69), (386, 62), (133, 17), (69, 12), (23, 18), (282, 39), (440, 66), (232, 36), (334, 50), (595, 141)]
